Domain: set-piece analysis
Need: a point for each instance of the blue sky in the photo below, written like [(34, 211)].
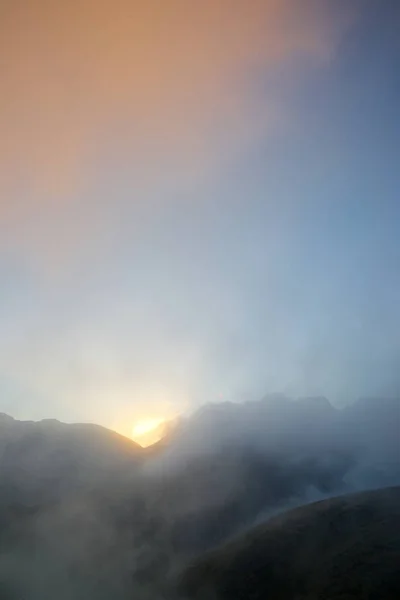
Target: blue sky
[(246, 244)]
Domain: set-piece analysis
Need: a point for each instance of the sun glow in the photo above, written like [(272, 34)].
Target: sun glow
[(143, 427), (148, 431)]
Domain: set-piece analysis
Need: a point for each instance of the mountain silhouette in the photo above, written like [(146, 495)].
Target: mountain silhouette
[(90, 511), (342, 548)]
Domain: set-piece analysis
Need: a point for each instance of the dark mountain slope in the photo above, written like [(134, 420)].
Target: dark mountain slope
[(229, 465), (41, 461), (86, 509), (339, 549)]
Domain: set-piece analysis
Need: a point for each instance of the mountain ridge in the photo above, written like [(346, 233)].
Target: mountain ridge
[(326, 549)]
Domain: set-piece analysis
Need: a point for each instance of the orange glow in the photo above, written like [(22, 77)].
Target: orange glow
[(154, 71), (168, 84), (148, 431)]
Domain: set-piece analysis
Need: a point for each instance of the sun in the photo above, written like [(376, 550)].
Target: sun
[(145, 426), (148, 431)]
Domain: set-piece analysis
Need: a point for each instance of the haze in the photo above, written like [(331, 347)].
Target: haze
[(198, 202)]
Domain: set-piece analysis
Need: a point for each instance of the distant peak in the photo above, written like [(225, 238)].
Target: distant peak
[(316, 401)]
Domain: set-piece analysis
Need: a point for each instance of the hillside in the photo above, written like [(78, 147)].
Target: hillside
[(81, 505), (42, 461), (231, 464), (339, 549)]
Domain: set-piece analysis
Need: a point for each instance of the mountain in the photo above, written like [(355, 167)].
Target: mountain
[(338, 549), (229, 465), (271, 425), (70, 519), (42, 461), (90, 512)]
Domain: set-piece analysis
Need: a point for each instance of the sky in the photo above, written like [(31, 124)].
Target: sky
[(198, 202)]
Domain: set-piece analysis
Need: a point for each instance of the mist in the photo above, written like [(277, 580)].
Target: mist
[(105, 518), (198, 208)]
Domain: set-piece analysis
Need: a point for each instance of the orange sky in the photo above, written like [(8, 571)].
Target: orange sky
[(169, 85)]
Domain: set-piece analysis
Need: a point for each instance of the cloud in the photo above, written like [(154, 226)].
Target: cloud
[(169, 89)]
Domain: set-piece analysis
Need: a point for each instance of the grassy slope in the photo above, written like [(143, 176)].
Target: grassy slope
[(343, 548)]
